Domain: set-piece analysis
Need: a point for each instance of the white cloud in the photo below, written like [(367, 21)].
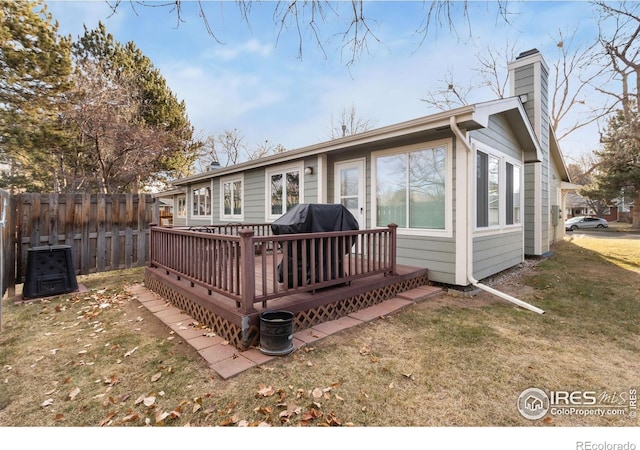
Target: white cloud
[(218, 100), (252, 47)]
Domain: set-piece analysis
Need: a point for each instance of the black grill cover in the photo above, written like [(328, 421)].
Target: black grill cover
[(314, 218)]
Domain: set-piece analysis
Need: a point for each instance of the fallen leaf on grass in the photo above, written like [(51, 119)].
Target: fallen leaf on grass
[(333, 421), (47, 402), (58, 417), (74, 393), (108, 419), (111, 381), (317, 393), (130, 418), (197, 404), (265, 391), (230, 421), (156, 377), (266, 410), (130, 352)]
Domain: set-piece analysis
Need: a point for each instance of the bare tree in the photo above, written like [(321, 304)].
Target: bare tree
[(312, 18), (448, 93), (264, 149), (349, 123), (230, 147), (621, 50), (574, 78), (115, 151)]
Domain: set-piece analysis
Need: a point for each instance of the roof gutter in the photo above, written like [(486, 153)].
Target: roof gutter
[(469, 270)]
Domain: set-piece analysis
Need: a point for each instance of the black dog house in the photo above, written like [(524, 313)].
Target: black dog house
[(50, 271), (315, 218)]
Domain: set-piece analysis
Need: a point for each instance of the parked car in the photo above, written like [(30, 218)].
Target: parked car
[(581, 222)]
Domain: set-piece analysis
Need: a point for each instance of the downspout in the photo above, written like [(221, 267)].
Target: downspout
[(469, 270)]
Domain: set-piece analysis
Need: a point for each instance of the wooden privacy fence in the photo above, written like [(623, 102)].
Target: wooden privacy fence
[(7, 243), (105, 231)]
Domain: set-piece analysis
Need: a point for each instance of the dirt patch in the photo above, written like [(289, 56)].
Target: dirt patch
[(510, 281)]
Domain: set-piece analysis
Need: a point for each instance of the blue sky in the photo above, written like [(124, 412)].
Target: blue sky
[(255, 82)]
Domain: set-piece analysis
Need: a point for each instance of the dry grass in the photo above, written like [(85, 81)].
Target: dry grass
[(450, 362)]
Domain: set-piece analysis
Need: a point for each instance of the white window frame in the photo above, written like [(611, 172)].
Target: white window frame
[(232, 180), (191, 203), (181, 212), (448, 201), (517, 165), (282, 170), (503, 160)]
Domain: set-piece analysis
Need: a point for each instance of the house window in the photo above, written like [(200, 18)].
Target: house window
[(201, 201), (232, 194), (513, 208), (488, 190), (498, 191), (181, 210), (410, 189), (283, 190)]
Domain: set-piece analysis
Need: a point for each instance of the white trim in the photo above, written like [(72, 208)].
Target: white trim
[(447, 232), (231, 179), (502, 226), (190, 205), (177, 203), (281, 169), (322, 178), (361, 165), (464, 193), (537, 209)]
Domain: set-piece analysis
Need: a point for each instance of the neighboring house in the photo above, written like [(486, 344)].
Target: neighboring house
[(576, 205), (472, 190)]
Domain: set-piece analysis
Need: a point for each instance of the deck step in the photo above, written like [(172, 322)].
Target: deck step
[(420, 293)]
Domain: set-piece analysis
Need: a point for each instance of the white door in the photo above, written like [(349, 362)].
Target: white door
[(349, 188)]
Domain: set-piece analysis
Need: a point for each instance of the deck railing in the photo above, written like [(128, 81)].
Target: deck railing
[(249, 265)]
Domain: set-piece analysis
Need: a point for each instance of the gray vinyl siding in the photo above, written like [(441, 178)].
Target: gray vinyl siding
[(529, 208), (546, 175), (254, 196), (435, 254), (555, 233), (494, 253), (525, 83), (179, 221), (499, 136), (497, 252), (311, 181)]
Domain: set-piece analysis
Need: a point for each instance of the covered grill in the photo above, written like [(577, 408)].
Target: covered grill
[(315, 218)]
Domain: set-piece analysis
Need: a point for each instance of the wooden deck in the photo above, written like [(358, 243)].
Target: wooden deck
[(241, 329), (225, 277)]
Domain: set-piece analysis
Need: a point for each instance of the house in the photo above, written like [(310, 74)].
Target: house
[(473, 190), (576, 205)]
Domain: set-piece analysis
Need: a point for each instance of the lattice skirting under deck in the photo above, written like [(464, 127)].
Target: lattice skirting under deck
[(302, 320)]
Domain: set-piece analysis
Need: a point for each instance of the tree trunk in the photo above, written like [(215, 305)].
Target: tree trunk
[(635, 211)]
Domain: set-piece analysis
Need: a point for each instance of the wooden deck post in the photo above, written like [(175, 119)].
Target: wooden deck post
[(393, 233), (151, 239), (247, 270)]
